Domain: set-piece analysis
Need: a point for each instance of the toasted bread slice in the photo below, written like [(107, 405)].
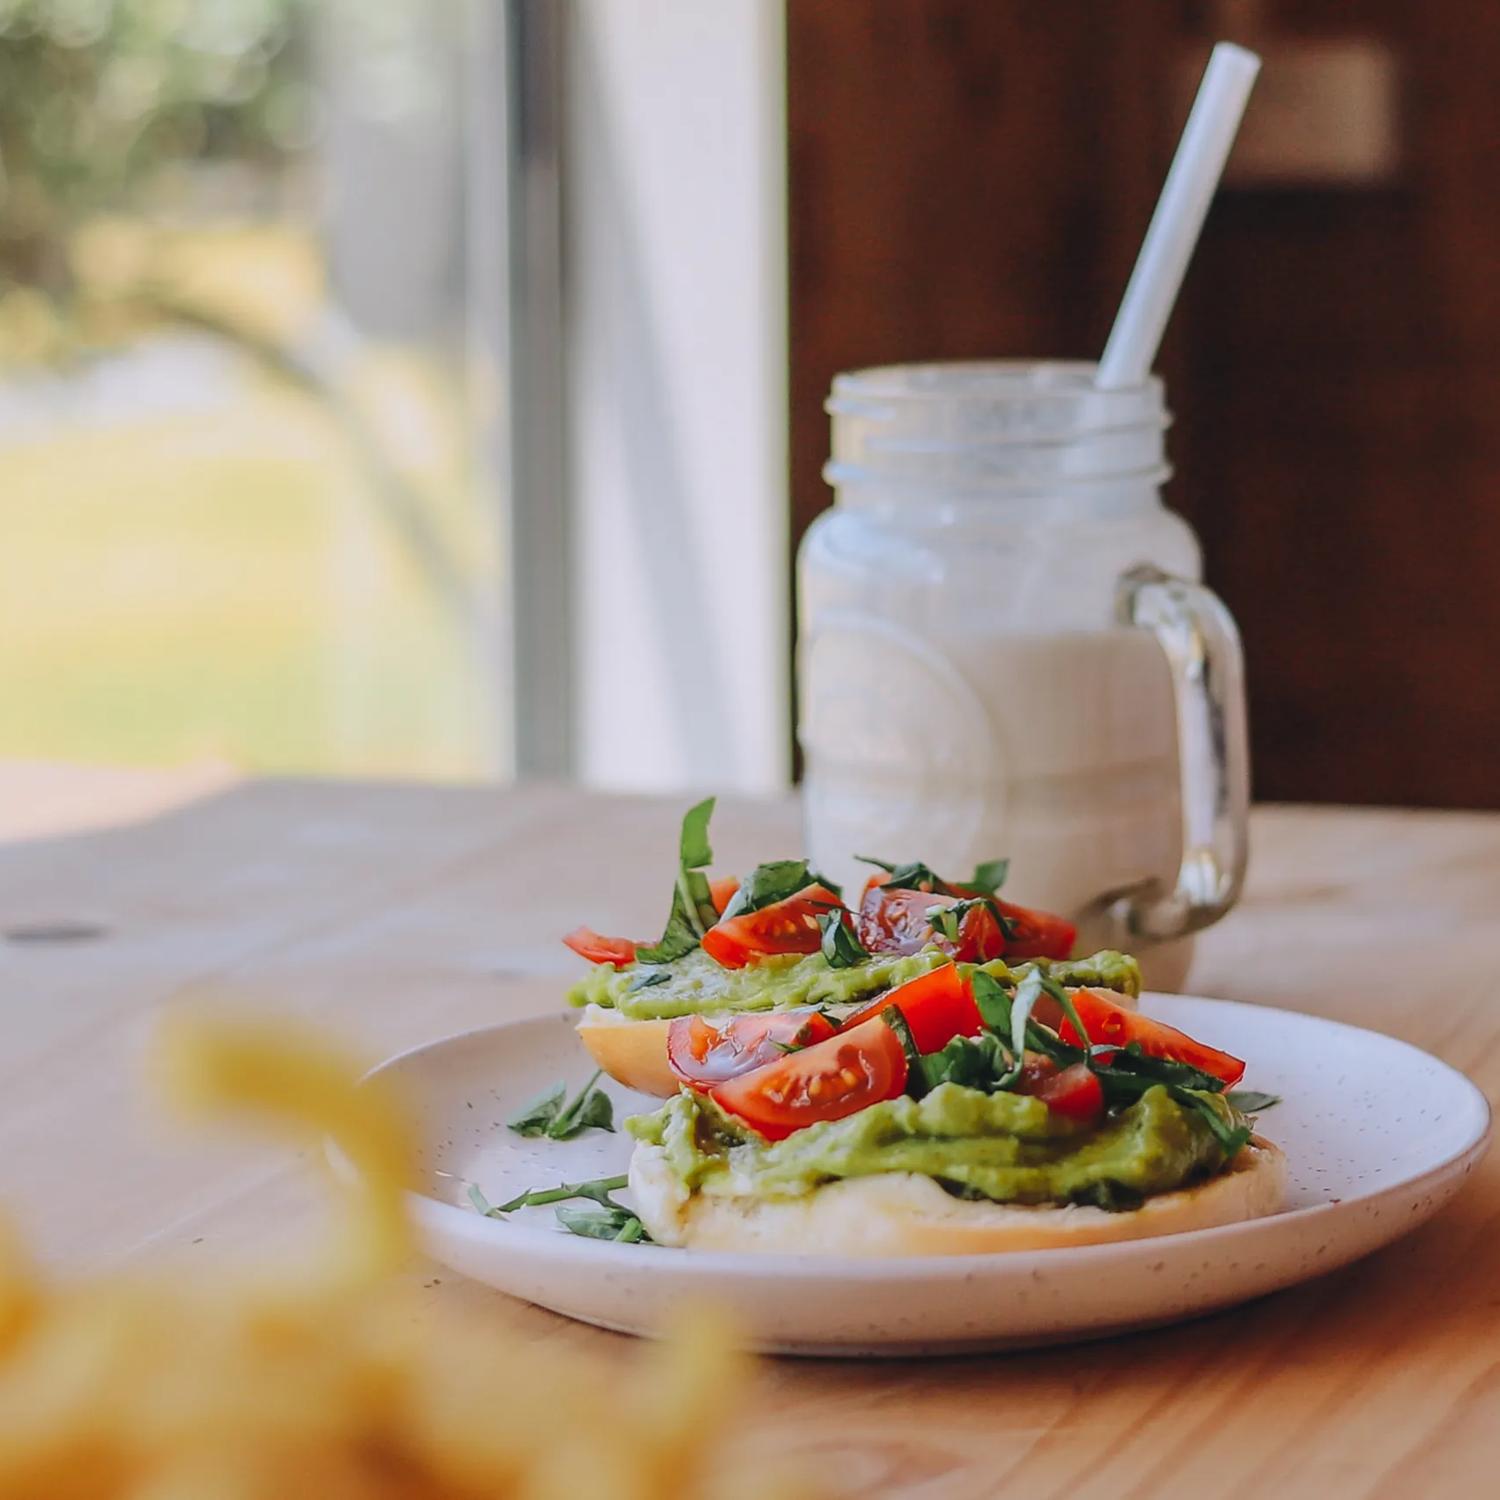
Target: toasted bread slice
[(631, 1052), (900, 1213)]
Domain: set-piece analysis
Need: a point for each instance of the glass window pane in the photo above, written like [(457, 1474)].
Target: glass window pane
[(242, 512)]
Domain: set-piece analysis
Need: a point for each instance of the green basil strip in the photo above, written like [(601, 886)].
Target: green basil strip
[(693, 911), (1167, 1069), (769, 883), (916, 1072), (1065, 1003), (992, 1001), (536, 1117), (597, 1190), (913, 876), (679, 937), (589, 1109), (1251, 1101), (608, 1223), (693, 848), (840, 948), (1028, 992), (1230, 1137), (646, 979)]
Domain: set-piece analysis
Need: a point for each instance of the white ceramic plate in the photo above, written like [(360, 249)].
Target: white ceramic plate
[(1378, 1135)]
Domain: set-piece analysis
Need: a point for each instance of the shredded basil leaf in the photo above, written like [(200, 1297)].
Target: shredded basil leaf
[(992, 1001), (610, 1222), (598, 1190), (916, 1072), (607, 1220), (946, 920), (590, 1109), (990, 875), (535, 1117), (679, 937), (1230, 1137), (996, 1010), (977, 1062), (1168, 1070), (1028, 992), (693, 911), (769, 883), (840, 948), (548, 1115), (1251, 1101), (914, 876), (1064, 1001), (693, 848), (646, 979)]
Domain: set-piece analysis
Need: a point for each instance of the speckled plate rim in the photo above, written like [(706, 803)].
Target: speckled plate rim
[(477, 1246)]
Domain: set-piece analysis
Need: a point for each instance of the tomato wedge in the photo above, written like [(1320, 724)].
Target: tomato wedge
[(893, 921), (789, 926), (601, 950), (723, 891), (896, 921), (1036, 934), (703, 1055), (828, 1081), (1072, 1091), (1109, 1023), (937, 1007)]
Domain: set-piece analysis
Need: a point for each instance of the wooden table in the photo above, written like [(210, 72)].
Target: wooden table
[(396, 913)]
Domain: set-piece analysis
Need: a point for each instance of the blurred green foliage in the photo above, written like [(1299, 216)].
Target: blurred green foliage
[(104, 100)]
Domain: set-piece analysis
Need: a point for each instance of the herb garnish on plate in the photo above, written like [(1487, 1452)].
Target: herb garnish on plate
[(550, 1116)]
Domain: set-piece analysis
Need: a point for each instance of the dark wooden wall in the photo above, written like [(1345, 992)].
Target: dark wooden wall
[(972, 177)]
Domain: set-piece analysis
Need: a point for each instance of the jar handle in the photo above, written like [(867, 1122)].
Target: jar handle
[(1202, 647)]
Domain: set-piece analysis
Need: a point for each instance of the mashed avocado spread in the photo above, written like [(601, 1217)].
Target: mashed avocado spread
[(1006, 1147), (696, 985)]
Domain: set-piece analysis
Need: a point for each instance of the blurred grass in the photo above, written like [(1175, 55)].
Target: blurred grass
[(219, 582)]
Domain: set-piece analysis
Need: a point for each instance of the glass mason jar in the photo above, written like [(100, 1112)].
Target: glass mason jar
[(1004, 651)]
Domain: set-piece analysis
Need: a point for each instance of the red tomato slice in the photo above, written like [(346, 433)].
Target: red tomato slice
[(702, 1054), (897, 922), (1107, 1022), (723, 891), (937, 1007), (1074, 1091), (1036, 934), (601, 950), (828, 1081), (789, 926), (893, 921)]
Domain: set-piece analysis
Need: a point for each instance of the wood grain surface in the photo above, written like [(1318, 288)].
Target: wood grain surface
[(397, 913)]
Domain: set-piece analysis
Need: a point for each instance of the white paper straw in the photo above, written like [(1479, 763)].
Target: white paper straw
[(1178, 220)]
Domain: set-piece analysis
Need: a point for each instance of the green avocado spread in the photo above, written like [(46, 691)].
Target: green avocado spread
[(1009, 1148), (696, 985)]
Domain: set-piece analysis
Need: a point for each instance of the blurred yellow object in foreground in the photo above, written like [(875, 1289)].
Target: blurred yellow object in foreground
[(336, 1385)]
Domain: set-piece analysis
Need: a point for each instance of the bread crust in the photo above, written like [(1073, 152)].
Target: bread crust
[(631, 1052), (900, 1213), (635, 1052)]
